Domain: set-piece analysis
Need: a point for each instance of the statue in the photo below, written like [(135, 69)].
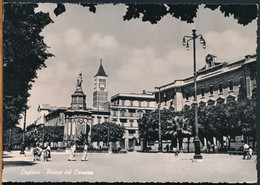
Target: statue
[(210, 60), (79, 81)]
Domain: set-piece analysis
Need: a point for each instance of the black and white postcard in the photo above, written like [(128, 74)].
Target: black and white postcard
[(129, 92)]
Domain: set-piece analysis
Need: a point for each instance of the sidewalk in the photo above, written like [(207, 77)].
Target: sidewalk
[(16, 156)]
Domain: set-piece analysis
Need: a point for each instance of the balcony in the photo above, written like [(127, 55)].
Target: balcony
[(132, 107)]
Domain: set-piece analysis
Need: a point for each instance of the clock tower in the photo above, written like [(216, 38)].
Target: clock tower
[(100, 94)]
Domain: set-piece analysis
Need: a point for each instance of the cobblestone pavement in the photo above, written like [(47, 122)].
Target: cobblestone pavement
[(130, 167)]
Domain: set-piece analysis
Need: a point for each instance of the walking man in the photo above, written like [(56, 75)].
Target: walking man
[(245, 153), (85, 157)]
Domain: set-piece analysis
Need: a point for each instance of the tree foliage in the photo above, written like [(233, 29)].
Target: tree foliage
[(244, 14), (107, 132), (173, 124), (247, 117), (24, 53), (230, 120), (48, 133), (153, 13), (12, 136)]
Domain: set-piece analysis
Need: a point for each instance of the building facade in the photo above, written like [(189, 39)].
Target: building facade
[(126, 109), (217, 82)]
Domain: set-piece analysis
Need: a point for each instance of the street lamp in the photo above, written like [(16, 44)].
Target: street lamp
[(108, 139), (186, 43), (160, 136)]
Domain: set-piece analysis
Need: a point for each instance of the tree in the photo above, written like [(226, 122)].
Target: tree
[(50, 134), (24, 53), (187, 12), (12, 136), (107, 132), (247, 117), (81, 139), (244, 14), (173, 126)]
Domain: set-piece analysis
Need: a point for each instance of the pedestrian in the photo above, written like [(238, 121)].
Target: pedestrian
[(35, 153), (175, 151), (48, 149), (72, 153), (167, 148), (213, 148), (245, 151), (85, 157), (250, 151)]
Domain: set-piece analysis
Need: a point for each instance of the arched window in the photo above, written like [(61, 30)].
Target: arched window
[(122, 113)]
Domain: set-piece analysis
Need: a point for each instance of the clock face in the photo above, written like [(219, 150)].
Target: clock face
[(102, 84)]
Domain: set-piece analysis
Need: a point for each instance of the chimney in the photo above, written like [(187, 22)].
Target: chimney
[(247, 57)]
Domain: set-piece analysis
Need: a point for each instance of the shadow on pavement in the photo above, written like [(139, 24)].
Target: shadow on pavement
[(18, 163), (8, 156)]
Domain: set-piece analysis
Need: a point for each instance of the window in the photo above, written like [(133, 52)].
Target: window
[(187, 95), (139, 113), (202, 91), (106, 119), (220, 87), (131, 132), (114, 120), (131, 114), (123, 113), (99, 119), (123, 122), (230, 84), (131, 123), (114, 113), (211, 89)]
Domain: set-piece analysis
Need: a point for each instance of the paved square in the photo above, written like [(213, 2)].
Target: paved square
[(131, 167)]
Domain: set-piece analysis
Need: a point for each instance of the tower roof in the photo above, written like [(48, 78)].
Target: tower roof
[(101, 71)]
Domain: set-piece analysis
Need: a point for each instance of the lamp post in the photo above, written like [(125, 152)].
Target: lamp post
[(108, 139), (159, 105), (186, 43)]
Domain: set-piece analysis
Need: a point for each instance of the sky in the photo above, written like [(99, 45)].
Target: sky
[(136, 55)]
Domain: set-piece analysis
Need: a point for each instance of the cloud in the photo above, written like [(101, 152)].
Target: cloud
[(230, 41), (100, 41), (72, 37)]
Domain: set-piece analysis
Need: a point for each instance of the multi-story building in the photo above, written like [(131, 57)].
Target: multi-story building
[(126, 109), (217, 83), (44, 109)]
